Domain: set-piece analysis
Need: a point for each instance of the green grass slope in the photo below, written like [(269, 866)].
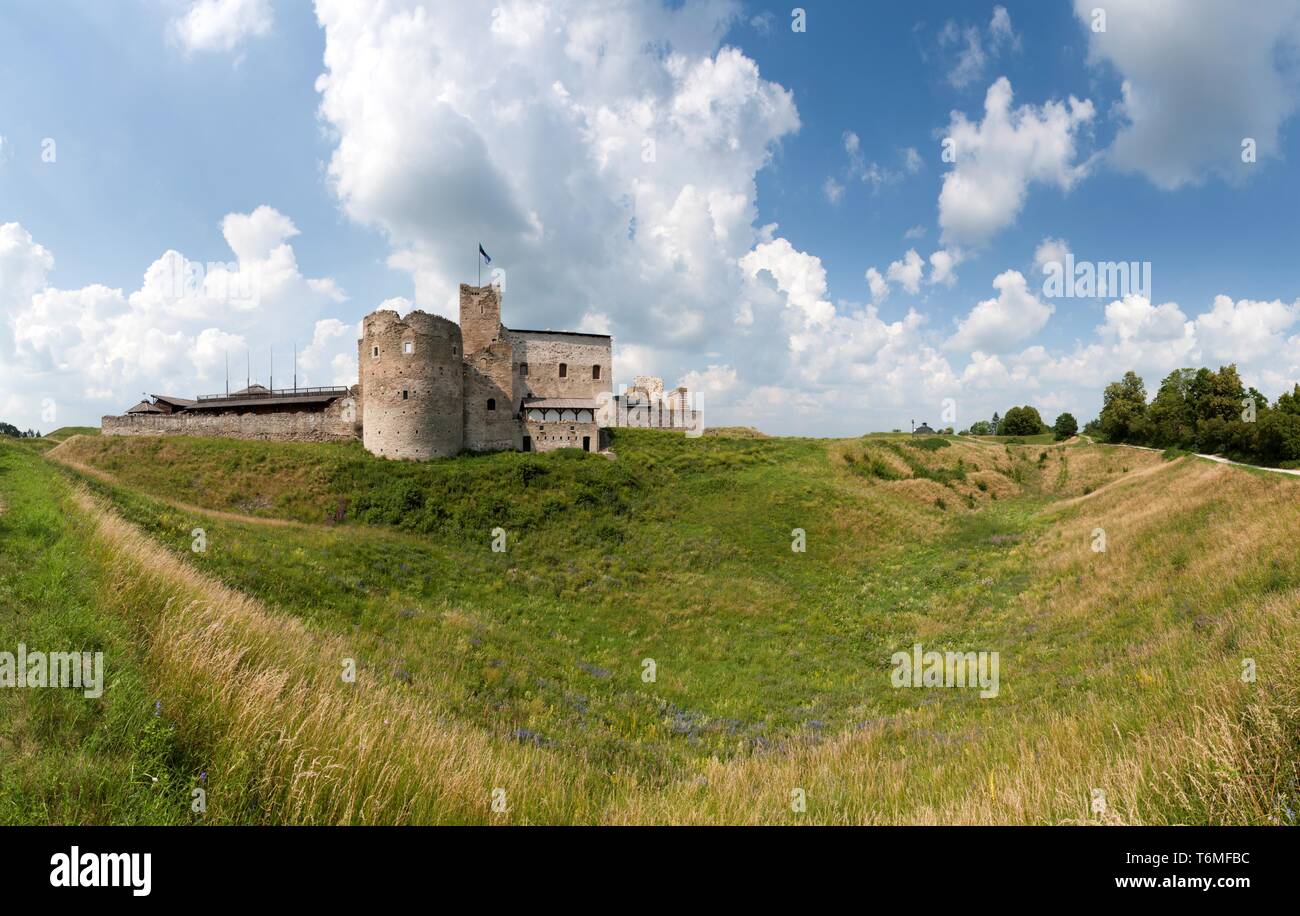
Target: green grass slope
[(771, 666), (64, 758)]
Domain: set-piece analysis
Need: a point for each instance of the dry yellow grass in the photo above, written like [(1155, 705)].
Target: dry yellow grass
[(924, 491), (266, 696), (994, 484), (848, 452)]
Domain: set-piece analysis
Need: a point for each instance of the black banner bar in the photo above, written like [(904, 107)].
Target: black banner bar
[(331, 865)]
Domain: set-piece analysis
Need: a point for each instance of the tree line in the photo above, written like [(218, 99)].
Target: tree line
[(1203, 411), (1023, 421), (13, 432)]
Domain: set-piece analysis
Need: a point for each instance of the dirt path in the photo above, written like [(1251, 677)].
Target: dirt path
[(978, 441), (1217, 459), (1126, 478), (55, 455)]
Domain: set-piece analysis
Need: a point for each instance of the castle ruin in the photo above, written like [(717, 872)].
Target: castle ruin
[(431, 388)]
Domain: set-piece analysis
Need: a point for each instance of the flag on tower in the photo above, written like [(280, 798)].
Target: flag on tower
[(486, 258)]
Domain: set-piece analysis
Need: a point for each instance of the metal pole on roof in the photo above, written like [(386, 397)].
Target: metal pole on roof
[(271, 378)]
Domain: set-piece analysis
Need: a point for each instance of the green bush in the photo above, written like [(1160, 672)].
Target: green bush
[(929, 444), (473, 494)]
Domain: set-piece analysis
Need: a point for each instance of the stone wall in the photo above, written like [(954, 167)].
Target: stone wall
[(337, 422), (546, 437), (665, 414), (650, 386), (491, 415), (412, 385), (543, 352), (646, 405)]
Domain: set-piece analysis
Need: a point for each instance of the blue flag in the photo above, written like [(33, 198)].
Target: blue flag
[(487, 259)]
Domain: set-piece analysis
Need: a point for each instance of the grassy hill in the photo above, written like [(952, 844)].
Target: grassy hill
[(50, 440), (528, 670)]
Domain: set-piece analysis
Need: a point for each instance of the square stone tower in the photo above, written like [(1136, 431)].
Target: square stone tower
[(480, 316), (491, 411)]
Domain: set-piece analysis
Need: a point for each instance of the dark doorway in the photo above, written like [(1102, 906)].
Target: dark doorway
[(586, 443), (528, 443)]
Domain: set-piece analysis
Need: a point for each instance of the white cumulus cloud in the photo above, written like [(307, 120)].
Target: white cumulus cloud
[(1050, 251), (907, 271), (94, 350), (221, 25), (1198, 77), (1244, 330), (607, 159), (997, 325), (878, 285), (998, 158)]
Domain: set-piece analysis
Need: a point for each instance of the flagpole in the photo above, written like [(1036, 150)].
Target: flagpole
[(478, 256)]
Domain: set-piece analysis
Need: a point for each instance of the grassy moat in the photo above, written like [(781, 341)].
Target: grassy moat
[(648, 647)]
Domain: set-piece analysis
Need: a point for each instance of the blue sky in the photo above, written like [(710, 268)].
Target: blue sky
[(348, 155)]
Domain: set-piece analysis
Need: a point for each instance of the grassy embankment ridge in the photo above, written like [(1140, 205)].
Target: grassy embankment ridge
[(523, 670)]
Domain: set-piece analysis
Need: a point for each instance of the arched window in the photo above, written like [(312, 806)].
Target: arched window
[(492, 403), (564, 370), (595, 372)]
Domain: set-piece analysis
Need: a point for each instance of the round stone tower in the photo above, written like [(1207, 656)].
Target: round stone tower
[(412, 385)]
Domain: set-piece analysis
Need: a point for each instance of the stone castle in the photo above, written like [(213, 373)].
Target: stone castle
[(430, 388)]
